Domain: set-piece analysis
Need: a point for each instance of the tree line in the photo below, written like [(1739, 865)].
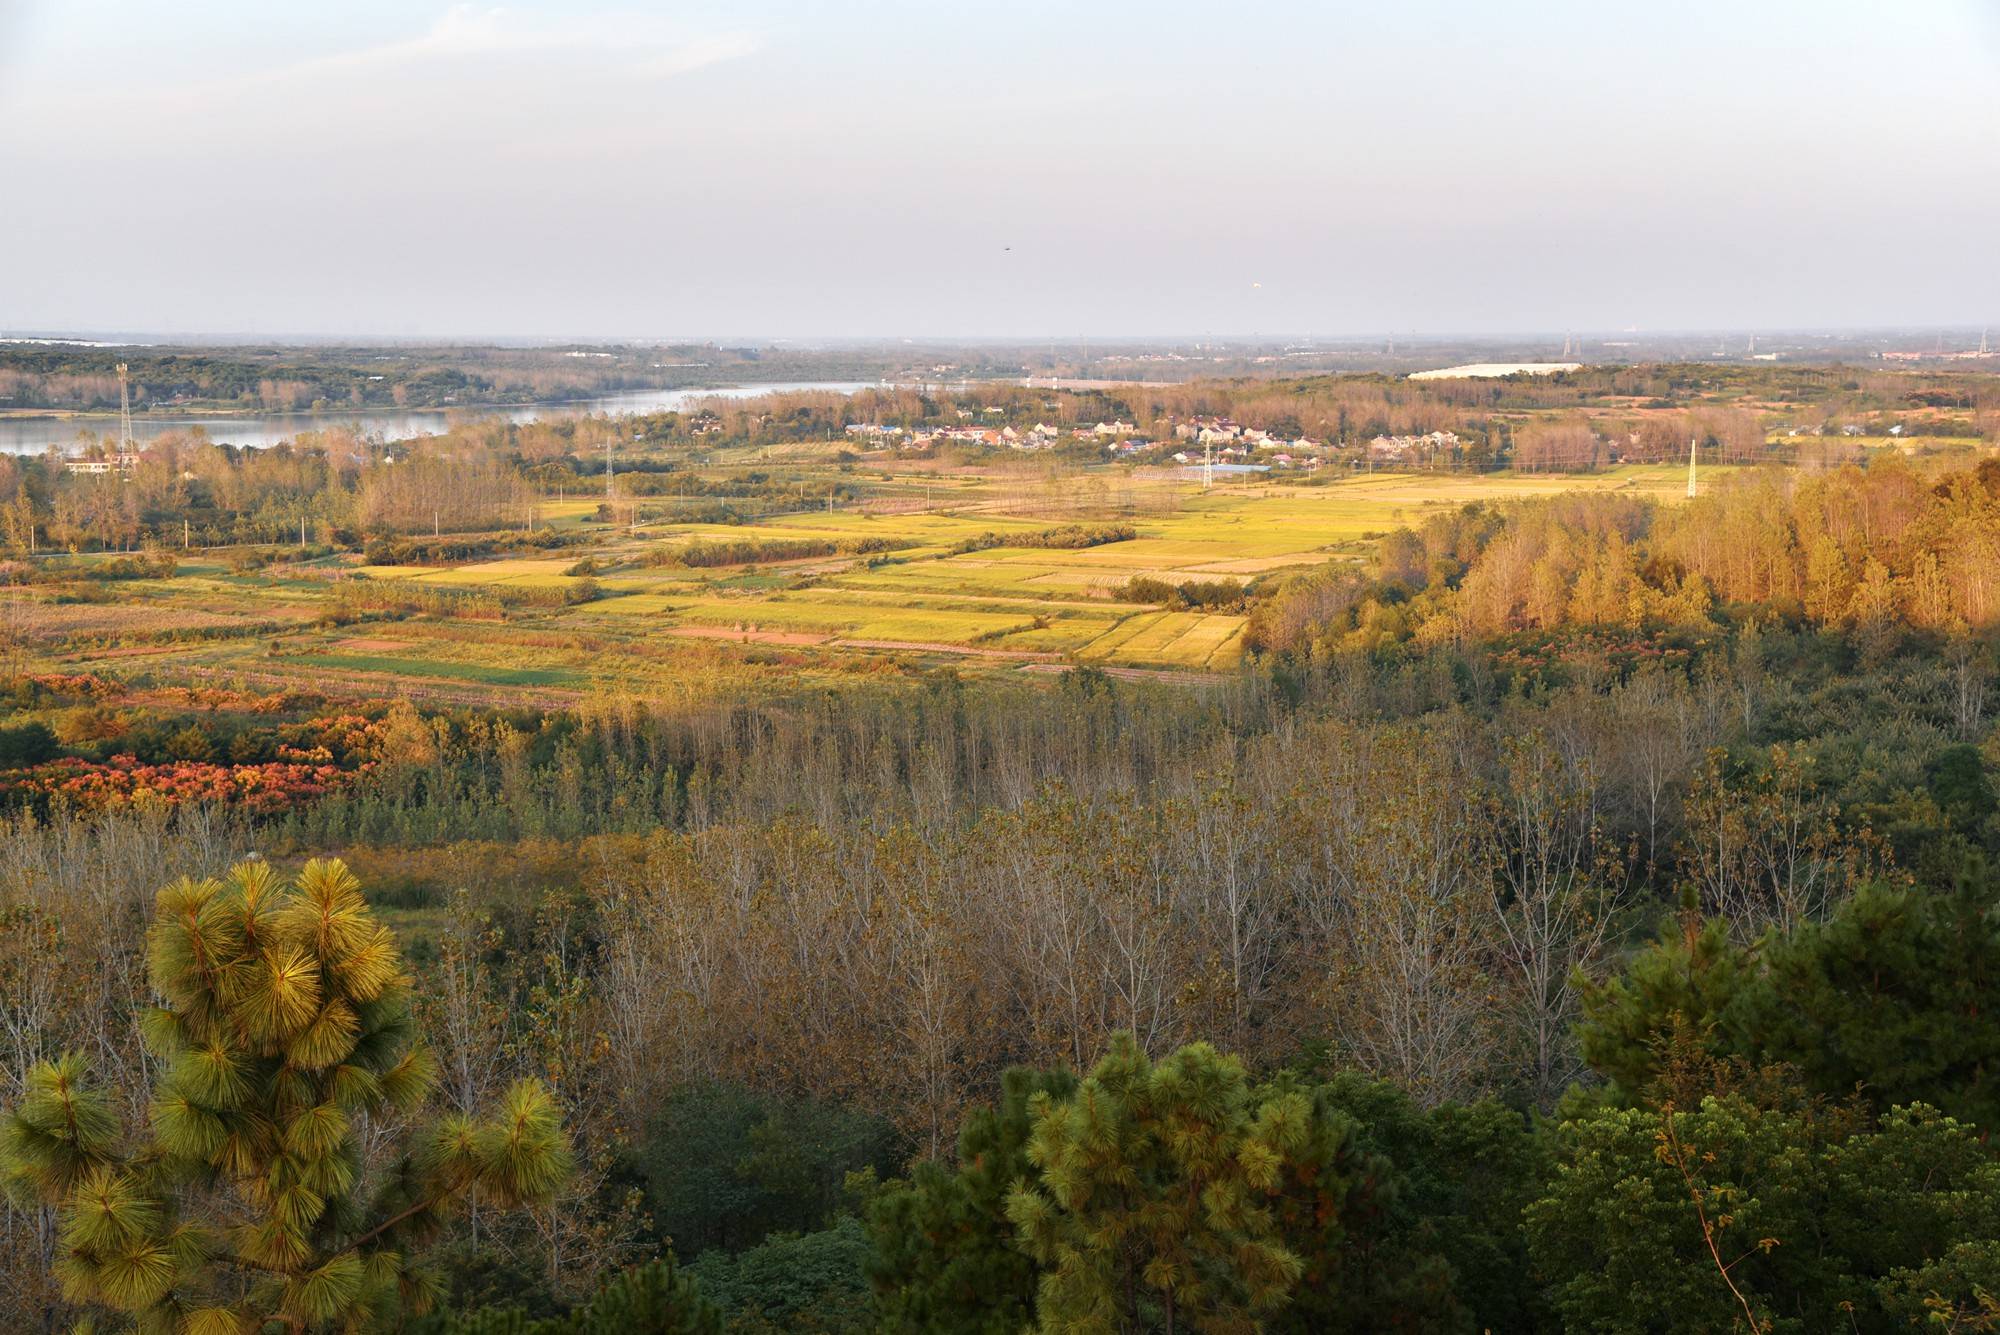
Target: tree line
[(1879, 551)]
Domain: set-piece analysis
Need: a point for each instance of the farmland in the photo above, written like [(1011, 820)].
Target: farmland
[(962, 579)]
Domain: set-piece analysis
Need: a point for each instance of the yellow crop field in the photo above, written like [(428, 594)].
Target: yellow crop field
[(526, 574), (936, 588), (638, 604), (567, 513), (1107, 644), (1068, 634), (935, 627), (965, 574), (1201, 645), (1153, 643), (759, 613)]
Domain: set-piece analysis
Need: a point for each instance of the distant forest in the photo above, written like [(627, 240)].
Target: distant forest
[(291, 379)]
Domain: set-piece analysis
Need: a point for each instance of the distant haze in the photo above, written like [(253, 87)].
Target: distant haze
[(906, 167)]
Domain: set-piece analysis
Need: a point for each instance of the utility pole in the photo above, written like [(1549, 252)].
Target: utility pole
[(124, 412), (1691, 467), (1208, 464), (184, 535), (607, 472)]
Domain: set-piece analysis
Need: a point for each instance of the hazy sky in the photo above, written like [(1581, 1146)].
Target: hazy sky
[(931, 167)]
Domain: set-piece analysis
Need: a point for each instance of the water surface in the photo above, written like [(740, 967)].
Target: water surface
[(32, 435)]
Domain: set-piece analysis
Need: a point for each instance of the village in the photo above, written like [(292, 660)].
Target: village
[(1218, 440)]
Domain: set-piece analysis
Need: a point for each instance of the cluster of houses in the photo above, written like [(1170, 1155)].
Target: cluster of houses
[(1118, 436), (1219, 439), (1397, 448), (101, 464), (1231, 443)]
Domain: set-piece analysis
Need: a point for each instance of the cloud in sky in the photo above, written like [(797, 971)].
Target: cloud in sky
[(477, 89), (639, 42)]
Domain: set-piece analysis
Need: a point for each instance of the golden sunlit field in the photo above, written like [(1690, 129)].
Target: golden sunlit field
[(938, 585)]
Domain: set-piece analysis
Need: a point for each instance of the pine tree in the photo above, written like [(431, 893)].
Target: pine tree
[(1889, 996), (1894, 994), (652, 1300), (1151, 1210), (655, 1299), (285, 1042), (945, 1253), (1734, 1215)]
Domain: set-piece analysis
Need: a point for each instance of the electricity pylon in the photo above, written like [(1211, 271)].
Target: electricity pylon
[(124, 411)]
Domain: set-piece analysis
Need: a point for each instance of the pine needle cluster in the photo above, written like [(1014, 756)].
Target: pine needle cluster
[(285, 1044), (654, 1299), (1152, 1210)]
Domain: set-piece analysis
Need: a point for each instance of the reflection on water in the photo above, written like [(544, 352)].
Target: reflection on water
[(32, 435)]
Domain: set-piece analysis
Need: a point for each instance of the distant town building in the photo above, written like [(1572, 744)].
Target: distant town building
[(1207, 429), (116, 463), (1402, 447)]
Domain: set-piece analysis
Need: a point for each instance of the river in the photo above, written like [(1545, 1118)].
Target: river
[(32, 435)]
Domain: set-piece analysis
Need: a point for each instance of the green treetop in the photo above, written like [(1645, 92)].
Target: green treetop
[(284, 1044), (1769, 1219), (945, 1253), (1151, 1212), (1890, 996)]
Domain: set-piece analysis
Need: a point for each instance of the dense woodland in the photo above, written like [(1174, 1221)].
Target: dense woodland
[(1581, 916)]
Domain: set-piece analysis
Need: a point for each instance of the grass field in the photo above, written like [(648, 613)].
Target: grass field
[(653, 623)]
